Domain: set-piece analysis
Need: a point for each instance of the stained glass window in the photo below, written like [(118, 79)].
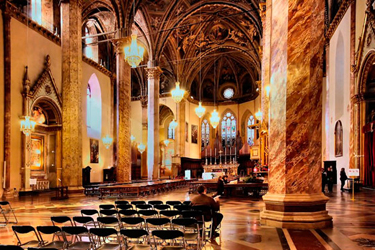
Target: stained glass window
[(88, 102), (228, 130), (205, 133), (250, 132), (171, 132)]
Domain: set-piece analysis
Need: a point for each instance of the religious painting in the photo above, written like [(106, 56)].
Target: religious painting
[(338, 139), (94, 151), (186, 132), (194, 134), (37, 154)]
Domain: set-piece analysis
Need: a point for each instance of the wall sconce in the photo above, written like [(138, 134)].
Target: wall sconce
[(107, 141), (27, 125)]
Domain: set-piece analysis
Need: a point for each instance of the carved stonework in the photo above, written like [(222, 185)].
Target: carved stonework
[(153, 73), (44, 87)]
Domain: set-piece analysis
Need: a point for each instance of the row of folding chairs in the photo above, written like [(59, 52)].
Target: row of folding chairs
[(7, 212), (123, 203), (184, 233)]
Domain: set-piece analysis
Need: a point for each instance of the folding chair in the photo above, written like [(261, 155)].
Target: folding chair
[(101, 238), (108, 212), (61, 221), (26, 230), (143, 206), (162, 207), (133, 222), (168, 239), (173, 203), (141, 236), (51, 230), (148, 213), (77, 233), (186, 203), (182, 207), (135, 203), (157, 224), (207, 213), (121, 203), (124, 207), (10, 247), (153, 203), (109, 222), (107, 206), (169, 213), (85, 221), (190, 227), (6, 210), (127, 213)]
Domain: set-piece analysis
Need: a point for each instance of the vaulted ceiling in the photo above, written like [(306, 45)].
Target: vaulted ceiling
[(207, 45)]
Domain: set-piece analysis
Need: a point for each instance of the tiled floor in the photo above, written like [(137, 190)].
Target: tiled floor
[(354, 221)]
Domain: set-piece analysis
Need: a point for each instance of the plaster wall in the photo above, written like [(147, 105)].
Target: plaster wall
[(105, 155), (28, 48), (338, 81)]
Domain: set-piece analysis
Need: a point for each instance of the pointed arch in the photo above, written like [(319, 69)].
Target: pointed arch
[(228, 128), (94, 108)]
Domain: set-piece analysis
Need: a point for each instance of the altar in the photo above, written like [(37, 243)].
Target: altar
[(229, 169)]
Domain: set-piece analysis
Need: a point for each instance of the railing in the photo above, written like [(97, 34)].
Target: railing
[(41, 185)]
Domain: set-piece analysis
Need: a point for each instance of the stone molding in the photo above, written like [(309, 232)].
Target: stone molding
[(97, 66), (153, 73), (336, 21)]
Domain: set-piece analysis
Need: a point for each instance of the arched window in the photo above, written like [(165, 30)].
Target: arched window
[(94, 108), (205, 133), (170, 131), (250, 132), (88, 101), (88, 48), (228, 129), (36, 11)]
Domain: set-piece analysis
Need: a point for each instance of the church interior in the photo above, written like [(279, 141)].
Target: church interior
[(114, 102)]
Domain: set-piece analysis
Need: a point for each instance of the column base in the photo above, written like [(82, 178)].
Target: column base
[(296, 211), (9, 194)]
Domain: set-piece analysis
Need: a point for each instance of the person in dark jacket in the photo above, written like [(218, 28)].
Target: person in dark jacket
[(220, 186), (330, 179), (324, 179), (343, 178)]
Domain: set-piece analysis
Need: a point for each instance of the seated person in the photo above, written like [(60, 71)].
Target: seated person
[(220, 186), (203, 200)]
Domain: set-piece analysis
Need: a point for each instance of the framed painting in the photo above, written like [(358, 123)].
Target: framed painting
[(338, 139), (37, 153), (187, 132), (194, 134), (94, 151)]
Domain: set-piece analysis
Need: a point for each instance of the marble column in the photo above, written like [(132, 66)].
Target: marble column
[(295, 198), (153, 77), (144, 171), (265, 100), (71, 47), (124, 123)]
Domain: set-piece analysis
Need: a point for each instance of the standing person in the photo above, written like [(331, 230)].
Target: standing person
[(343, 178), (203, 200), (220, 186), (330, 179), (324, 180)]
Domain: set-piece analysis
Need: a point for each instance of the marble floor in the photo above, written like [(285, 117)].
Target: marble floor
[(354, 221)]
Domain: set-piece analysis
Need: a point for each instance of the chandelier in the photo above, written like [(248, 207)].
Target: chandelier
[(166, 142), (177, 93), (141, 148), (200, 110), (134, 52), (132, 138), (173, 124), (27, 126), (107, 141), (214, 118), (258, 115)]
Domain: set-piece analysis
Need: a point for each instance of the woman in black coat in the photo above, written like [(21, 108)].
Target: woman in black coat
[(343, 178), (220, 186)]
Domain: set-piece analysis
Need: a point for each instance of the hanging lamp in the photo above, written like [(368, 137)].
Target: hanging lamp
[(177, 93), (27, 125), (215, 119), (133, 51), (200, 110), (107, 141), (141, 148)]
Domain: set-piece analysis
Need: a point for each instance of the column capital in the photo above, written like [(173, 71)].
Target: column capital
[(119, 45), (153, 72), (144, 101)]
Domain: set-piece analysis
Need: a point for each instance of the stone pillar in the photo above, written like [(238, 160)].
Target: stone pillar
[(144, 171), (153, 77), (124, 123), (7, 96), (71, 45), (180, 129), (266, 13), (295, 198)]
